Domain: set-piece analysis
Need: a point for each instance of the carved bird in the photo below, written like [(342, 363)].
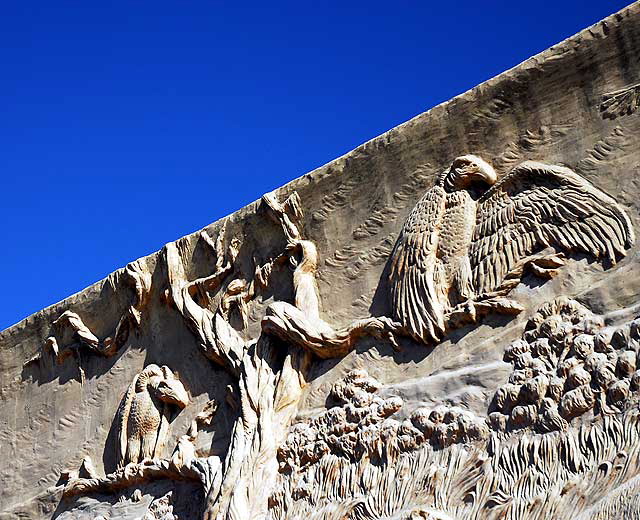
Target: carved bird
[(469, 239), (144, 413)]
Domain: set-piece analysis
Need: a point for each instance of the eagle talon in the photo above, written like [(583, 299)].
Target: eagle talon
[(499, 305), (463, 314), (546, 266), (380, 327)]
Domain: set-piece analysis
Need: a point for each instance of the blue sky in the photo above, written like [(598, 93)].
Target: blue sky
[(126, 125)]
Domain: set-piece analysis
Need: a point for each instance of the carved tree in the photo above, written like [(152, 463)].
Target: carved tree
[(271, 373), (70, 334)]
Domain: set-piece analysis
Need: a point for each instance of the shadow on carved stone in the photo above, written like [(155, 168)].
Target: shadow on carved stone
[(71, 338), (470, 239)]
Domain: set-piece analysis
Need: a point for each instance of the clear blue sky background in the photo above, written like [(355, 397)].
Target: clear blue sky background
[(128, 124)]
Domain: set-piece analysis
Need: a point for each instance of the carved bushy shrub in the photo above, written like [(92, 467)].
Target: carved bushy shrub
[(567, 364), (360, 426)]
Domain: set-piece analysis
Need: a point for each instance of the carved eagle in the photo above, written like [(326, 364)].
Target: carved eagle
[(469, 239), (144, 414)]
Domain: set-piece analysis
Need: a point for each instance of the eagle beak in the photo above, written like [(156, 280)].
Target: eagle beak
[(466, 171), (481, 170), (172, 391), (487, 174)]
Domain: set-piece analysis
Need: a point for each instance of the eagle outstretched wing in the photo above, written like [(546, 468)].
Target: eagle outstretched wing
[(536, 206), (413, 262)]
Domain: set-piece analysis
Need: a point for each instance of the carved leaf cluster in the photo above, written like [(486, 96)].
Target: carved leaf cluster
[(566, 365), (360, 426)]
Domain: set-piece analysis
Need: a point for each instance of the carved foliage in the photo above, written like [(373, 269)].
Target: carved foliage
[(566, 365), (360, 426), (355, 462), (69, 333)]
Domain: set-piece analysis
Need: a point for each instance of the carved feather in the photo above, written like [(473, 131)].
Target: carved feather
[(413, 292), (536, 206), (123, 418)]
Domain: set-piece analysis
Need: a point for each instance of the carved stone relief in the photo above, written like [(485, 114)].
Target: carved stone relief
[(622, 102), (145, 412), (564, 366), (70, 334), (460, 465), (351, 347), (457, 256)]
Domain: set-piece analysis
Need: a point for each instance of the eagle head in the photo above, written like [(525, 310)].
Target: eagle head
[(169, 390), (466, 171)]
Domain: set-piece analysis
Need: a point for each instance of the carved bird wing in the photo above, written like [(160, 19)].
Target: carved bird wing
[(536, 206), (413, 292), (163, 429), (123, 419)]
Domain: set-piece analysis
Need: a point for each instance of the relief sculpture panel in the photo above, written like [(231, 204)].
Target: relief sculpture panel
[(458, 257), (144, 414), (442, 324)]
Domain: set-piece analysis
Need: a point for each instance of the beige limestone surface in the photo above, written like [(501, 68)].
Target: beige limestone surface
[(317, 414)]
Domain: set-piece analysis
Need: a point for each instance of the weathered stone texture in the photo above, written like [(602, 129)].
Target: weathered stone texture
[(325, 404)]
